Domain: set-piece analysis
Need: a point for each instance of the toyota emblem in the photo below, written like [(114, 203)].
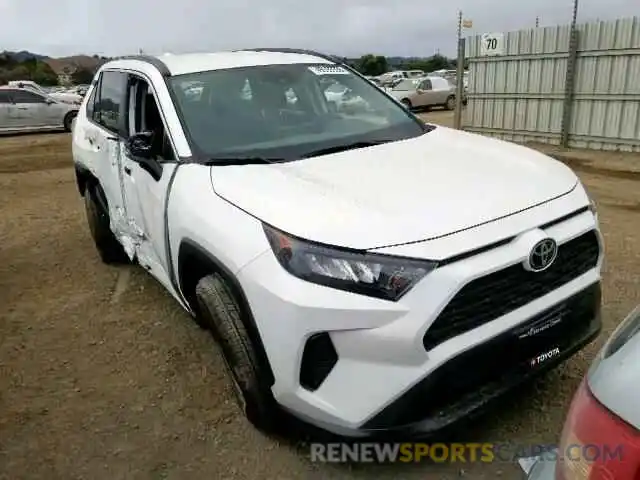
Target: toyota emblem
[(543, 254)]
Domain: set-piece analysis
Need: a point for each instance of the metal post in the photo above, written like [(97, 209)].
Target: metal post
[(457, 119), (567, 106)]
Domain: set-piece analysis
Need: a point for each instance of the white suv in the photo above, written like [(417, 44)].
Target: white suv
[(361, 270)]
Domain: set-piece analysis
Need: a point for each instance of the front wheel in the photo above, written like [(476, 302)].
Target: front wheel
[(220, 312), (407, 103), (68, 121)]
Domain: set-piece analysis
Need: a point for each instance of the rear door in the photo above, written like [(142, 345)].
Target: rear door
[(30, 109), (102, 138)]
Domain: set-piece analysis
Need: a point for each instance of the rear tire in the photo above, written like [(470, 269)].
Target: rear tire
[(109, 249), (68, 121), (451, 103), (220, 312)]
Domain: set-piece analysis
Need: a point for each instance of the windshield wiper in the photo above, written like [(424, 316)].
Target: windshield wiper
[(228, 161), (345, 147)]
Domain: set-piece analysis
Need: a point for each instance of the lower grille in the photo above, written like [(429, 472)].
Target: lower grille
[(468, 381), (499, 293)]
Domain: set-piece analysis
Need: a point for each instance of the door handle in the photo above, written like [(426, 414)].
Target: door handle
[(127, 170), (22, 108)]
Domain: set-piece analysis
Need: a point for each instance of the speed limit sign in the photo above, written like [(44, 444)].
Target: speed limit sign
[(492, 44)]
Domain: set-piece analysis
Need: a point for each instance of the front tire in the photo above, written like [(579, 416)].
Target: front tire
[(407, 103), (109, 249), (68, 121), (220, 312)]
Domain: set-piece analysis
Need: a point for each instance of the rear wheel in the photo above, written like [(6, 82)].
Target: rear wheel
[(109, 249), (451, 103), (220, 312)]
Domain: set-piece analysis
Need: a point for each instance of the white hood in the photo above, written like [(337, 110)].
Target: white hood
[(412, 190)]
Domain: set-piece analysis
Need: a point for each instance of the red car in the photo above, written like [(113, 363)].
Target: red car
[(601, 435)]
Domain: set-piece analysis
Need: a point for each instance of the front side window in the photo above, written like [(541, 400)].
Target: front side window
[(23, 96), (109, 105), (285, 111)]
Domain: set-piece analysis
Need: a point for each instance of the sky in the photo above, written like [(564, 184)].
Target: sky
[(341, 27)]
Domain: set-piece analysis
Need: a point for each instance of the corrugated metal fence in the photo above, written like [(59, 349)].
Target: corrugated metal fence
[(519, 96)]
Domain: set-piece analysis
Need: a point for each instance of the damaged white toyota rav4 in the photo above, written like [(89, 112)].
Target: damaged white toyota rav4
[(361, 270)]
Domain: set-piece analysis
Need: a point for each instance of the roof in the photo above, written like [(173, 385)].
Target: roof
[(179, 64)]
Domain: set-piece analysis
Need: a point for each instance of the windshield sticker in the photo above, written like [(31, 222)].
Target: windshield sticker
[(329, 70)]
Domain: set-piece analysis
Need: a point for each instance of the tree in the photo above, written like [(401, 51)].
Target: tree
[(372, 65), (82, 76)]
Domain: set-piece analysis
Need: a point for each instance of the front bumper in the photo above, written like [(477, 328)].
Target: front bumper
[(471, 381), (388, 379)]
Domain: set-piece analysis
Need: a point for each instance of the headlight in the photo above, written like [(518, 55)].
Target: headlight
[(374, 275), (629, 327)]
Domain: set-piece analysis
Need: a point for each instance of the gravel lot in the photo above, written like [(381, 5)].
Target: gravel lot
[(103, 376)]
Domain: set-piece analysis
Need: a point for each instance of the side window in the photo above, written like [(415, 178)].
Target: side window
[(426, 85), (22, 96), (91, 101), (144, 115), (5, 96), (108, 108)]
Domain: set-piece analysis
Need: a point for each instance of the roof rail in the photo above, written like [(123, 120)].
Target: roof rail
[(155, 61)]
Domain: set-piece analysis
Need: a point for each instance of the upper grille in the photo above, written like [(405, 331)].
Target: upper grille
[(501, 292)]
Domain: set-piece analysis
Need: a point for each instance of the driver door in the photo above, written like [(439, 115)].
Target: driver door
[(146, 196)]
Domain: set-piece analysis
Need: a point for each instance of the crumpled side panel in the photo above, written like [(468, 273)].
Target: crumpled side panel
[(120, 228)]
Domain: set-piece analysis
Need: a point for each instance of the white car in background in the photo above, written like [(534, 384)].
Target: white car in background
[(64, 97), (22, 110), (424, 93)]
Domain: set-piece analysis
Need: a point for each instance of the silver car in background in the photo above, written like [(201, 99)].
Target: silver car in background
[(23, 110), (601, 435), (425, 93)]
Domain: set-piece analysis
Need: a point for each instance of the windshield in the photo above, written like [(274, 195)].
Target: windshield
[(286, 111), (409, 84)]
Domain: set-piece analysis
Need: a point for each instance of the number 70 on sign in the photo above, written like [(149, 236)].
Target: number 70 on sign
[(492, 44)]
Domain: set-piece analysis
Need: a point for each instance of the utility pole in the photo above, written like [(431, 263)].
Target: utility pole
[(574, 17), (457, 114)]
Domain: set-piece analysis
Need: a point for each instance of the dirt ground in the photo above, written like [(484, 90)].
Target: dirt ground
[(103, 376)]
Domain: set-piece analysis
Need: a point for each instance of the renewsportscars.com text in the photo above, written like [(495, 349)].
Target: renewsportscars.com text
[(456, 452)]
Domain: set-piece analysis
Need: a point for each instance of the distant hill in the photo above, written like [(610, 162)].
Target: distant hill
[(23, 55), (75, 62)]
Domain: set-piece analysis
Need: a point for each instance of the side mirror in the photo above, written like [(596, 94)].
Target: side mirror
[(50, 101), (420, 91), (139, 145), (140, 149)]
